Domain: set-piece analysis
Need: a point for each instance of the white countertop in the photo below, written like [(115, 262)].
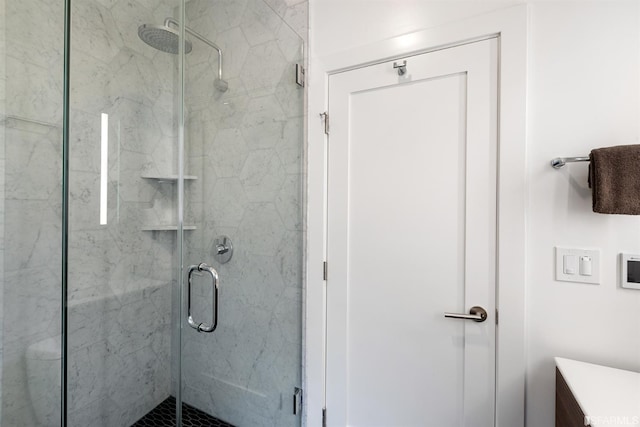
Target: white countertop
[(608, 396)]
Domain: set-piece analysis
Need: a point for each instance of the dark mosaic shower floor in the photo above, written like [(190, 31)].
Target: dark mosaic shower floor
[(164, 415)]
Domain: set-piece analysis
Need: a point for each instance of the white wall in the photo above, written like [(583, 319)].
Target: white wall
[(337, 25), (584, 92)]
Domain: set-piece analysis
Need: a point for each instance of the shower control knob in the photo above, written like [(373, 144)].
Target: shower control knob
[(223, 249)]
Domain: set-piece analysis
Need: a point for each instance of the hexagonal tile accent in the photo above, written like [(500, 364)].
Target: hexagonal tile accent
[(135, 77), (262, 176), (227, 202), (289, 202), (31, 152), (228, 153), (259, 23), (235, 47), (290, 147), (290, 96), (289, 258), (128, 15), (229, 111), (136, 124), (96, 33), (290, 44), (261, 229), (264, 67), (264, 122)]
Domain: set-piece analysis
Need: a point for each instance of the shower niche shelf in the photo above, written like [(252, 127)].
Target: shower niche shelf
[(169, 178), (167, 227), (161, 206)]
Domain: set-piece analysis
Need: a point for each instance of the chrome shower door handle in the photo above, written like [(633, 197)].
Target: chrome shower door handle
[(203, 327), (476, 313)]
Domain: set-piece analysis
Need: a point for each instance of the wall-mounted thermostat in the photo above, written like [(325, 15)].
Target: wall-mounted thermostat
[(630, 271)]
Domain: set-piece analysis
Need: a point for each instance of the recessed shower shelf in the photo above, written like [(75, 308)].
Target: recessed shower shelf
[(171, 178), (167, 227)]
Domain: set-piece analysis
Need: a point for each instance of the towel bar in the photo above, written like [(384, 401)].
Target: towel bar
[(559, 162)]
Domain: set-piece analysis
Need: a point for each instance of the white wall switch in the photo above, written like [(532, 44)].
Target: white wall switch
[(578, 265), (586, 265), (570, 264)]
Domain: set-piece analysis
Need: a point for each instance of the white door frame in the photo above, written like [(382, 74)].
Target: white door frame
[(510, 24)]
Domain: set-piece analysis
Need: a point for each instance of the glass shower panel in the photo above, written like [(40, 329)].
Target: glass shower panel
[(122, 204), (31, 111), (244, 144)]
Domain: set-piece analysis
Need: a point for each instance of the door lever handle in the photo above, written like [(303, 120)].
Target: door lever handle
[(476, 313)]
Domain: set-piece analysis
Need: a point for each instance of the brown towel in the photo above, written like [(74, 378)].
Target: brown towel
[(614, 177)]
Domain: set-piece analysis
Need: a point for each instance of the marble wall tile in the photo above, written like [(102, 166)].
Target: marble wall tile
[(227, 203), (42, 101), (34, 32), (16, 404), (119, 277), (32, 151), (245, 146), (264, 67), (264, 122), (289, 202), (235, 47), (30, 197), (230, 112), (262, 176), (288, 147), (297, 17), (135, 77), (32, 234), (259, 24), (128, 15), (33, 296), (94, 31), (229, 152), (211, 17), (257, 157)]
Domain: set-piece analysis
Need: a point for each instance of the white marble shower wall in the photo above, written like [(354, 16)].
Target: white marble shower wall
[(32, 61), (246, 147), (120, 350), (120, 343)]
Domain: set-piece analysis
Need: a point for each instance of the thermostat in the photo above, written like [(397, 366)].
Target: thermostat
[(630, 271)]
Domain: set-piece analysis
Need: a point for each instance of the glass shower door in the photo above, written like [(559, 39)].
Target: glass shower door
[(31, 112), (122, 212), (243, 197)]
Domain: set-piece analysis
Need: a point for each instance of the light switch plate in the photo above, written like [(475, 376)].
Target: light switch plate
[(594, 254)]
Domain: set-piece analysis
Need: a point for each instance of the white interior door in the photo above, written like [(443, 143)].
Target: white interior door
[(411, 229)]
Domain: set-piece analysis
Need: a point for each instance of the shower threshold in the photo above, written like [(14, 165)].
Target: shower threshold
[(165, 415)]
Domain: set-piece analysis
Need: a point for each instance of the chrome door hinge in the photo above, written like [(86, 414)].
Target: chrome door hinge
[(300, 73), (324, 417), (325, 117), (324, 270), (297, 400)]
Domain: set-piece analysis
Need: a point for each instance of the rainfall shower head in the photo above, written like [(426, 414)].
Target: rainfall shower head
[(166, 39), (162, 37)]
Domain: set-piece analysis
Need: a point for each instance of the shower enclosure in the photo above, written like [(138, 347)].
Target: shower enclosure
[(176, 159)]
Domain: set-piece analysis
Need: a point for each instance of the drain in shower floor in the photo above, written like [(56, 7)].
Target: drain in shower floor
[(165, 415)]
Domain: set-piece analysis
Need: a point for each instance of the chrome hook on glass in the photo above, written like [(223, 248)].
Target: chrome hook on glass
[(402, 68), (203, 327)]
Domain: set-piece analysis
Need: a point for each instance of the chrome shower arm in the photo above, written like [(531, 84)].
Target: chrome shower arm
[(169, 21)]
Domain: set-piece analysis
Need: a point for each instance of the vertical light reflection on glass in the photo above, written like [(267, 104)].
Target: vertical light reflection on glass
[(104, 167)]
